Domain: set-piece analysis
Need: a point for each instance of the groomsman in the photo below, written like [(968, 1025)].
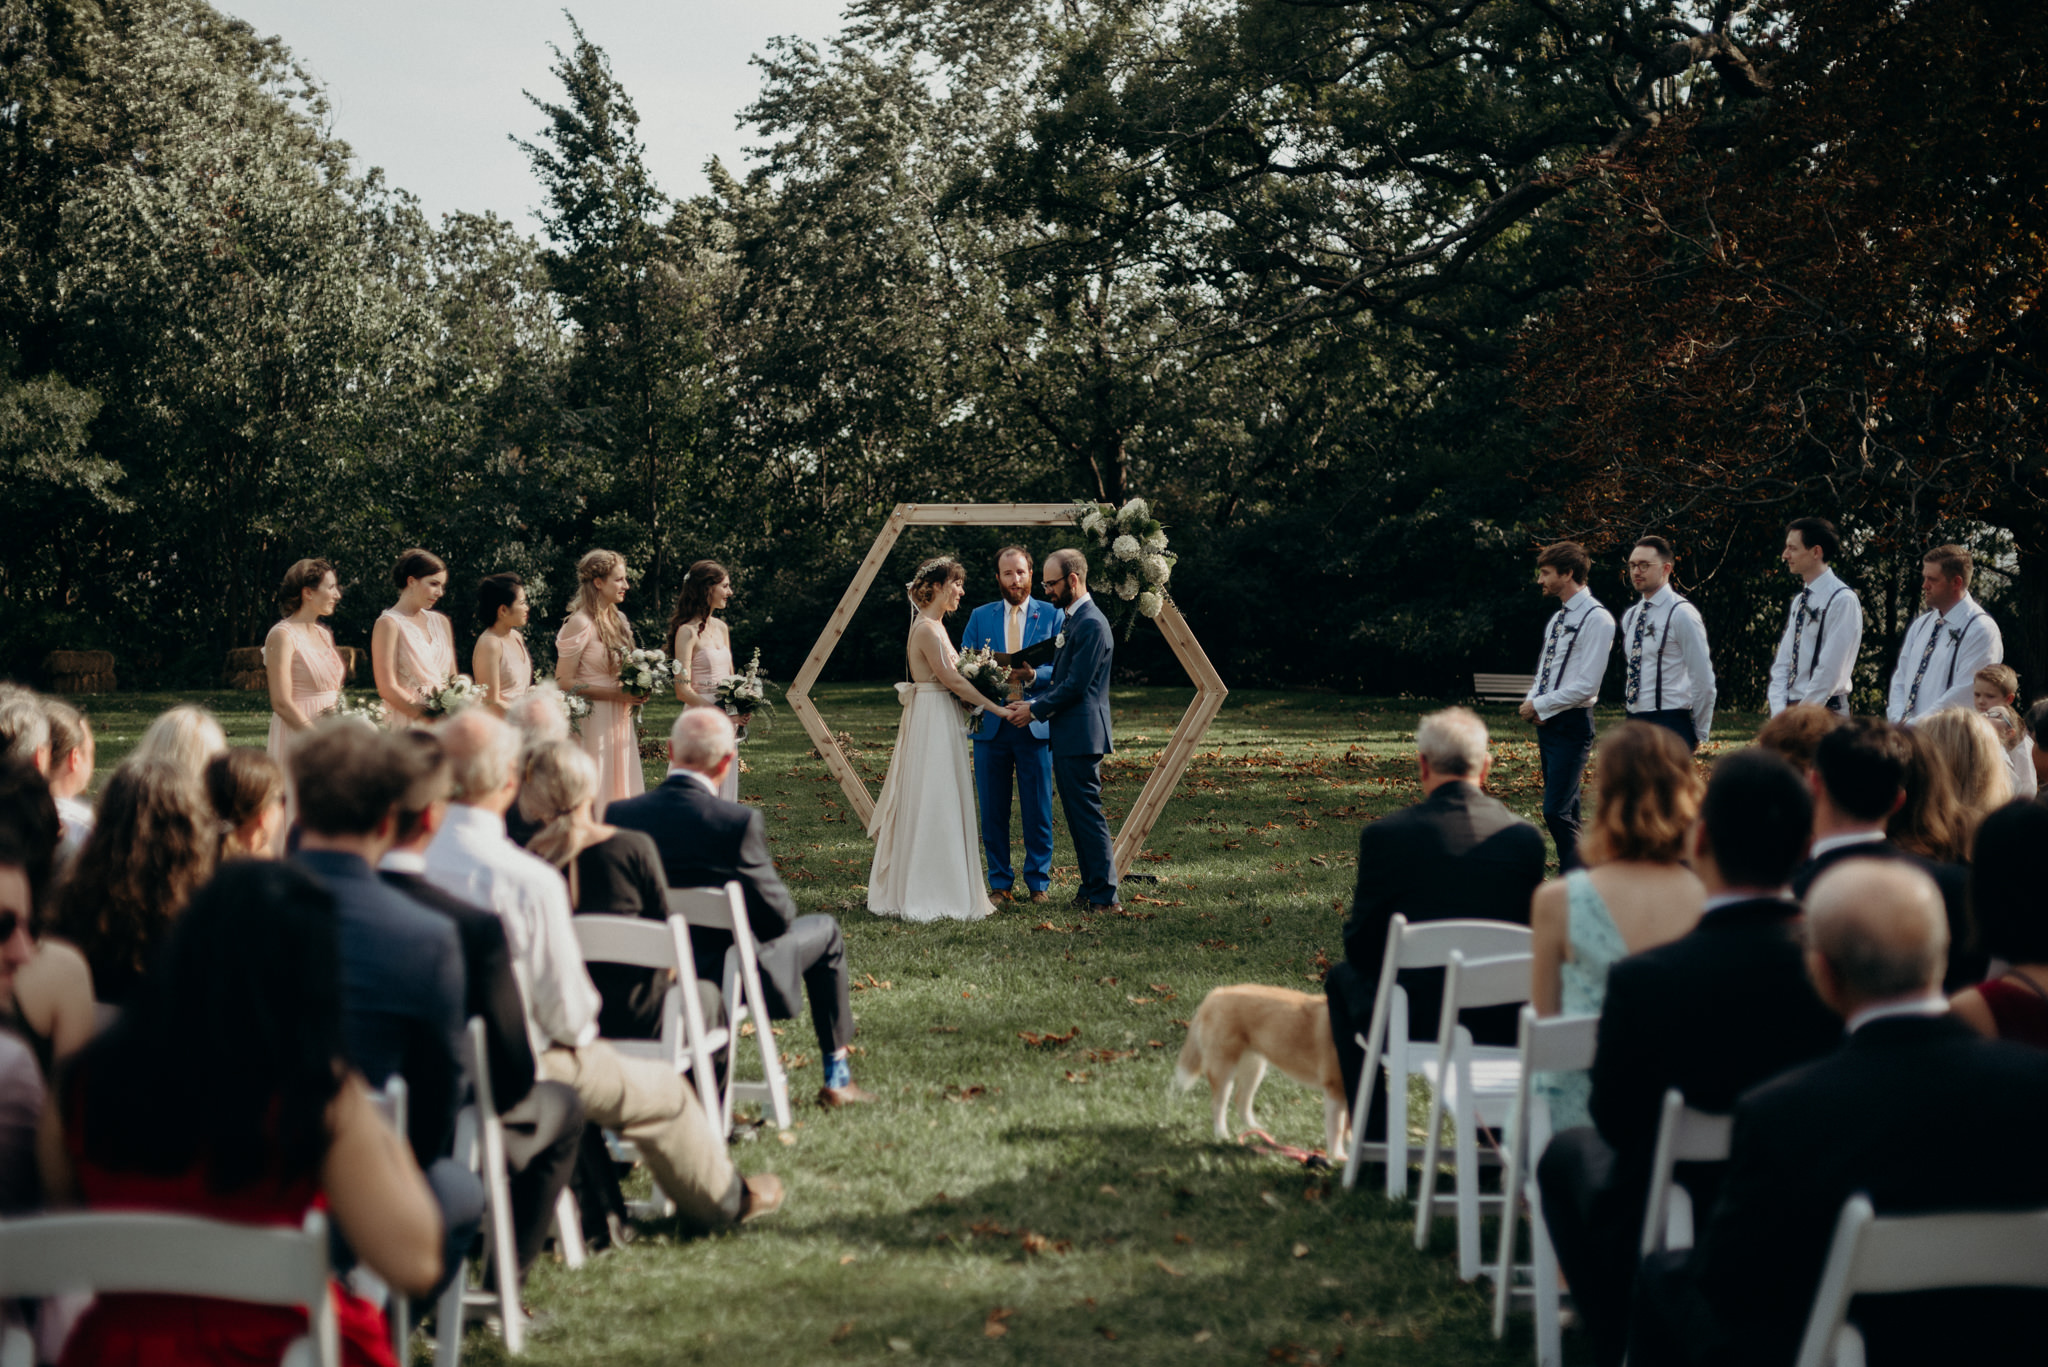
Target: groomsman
[(1824, 629), (1014, 621), (1560, 702), (1670, 676), (1947, 644)]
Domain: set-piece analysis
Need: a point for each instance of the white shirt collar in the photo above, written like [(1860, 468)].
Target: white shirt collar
[(475, 821), (1075, 606), (1835, 842), (1731, 898), (1933, 1004), (702, 781), (1661, 596), (403, 861), (1823, 581)]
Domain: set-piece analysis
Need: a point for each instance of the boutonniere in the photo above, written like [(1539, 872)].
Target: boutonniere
[(1059, 642), (1955, 636), (1650, 630)]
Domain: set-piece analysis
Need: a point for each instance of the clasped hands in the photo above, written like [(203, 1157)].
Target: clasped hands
[(1017, 713)]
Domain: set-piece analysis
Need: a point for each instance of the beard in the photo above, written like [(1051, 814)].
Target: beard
[(1018, 595)]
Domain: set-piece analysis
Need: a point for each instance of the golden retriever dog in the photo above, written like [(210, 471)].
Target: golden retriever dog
[(1238, 1030)]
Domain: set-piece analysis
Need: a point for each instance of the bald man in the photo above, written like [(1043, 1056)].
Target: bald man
[(1915, 1109)]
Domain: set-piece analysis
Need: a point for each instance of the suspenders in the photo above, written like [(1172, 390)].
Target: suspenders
[(1679, 600), (1955, 649), (1820, 629)]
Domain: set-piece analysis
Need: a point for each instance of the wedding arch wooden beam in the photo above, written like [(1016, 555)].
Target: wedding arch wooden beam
[(1173, 760)]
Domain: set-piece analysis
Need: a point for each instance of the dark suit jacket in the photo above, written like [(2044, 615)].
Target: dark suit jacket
[(1966, 966), (1713, 1013), (1075, 703), (402, 992), (1922, 1115), (1456, 855), (705, 842), (492, 991)]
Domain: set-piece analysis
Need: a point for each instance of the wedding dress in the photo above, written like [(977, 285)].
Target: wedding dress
[(926, 865)]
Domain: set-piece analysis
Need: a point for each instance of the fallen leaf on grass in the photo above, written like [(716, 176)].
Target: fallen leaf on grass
[(846, 1259), (1073, 1076), (1203, 1335), (1037, 1041), (1155, 1044), (1180, 1238), (1105, 1190), (942, 1029), (867, 980), (1220, 944), (1105, 1330), (1105, 982), (1159, 987), (1107, 1055), (955, 1092), (1182, 1024), (1153, 901), (899, 1345), (839, 1335), (993, 1327), (1270, 1199), (1139, 1001), (988, 1229), (786, 1137), (1168, 1268), (1148, 856), (1301, 1250)]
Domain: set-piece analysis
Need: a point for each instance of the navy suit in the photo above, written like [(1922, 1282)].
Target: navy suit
[(1003, 751), (1075, 703)]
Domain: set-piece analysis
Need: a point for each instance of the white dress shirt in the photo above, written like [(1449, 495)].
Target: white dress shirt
[(1829, 637), (1835, 842), (1573, 657), (473, 858), (2020, 761), (1933, 1004), (1075, 606), (1969, 640), (1677, 672)]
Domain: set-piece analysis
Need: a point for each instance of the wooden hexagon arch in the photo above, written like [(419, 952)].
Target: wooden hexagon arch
[(1173, 760)]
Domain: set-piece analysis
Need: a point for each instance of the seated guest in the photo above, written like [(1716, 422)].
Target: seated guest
[(643, 1099), (707, 841), (28, 849), (2009, 910), (610, 871), (184, 1108), (71, 766), (1632, 895), (1996, 692), (1898, 1113), (1711, 1014), (2036, 721), (46, 999), (1457, 854), (1930, 824), (186, 736), (150, 850), (1795, 733), (402, 986), (1975, 759), (538, 717), (1865, 773), (543, 1120), (247, 791), (24, 728)]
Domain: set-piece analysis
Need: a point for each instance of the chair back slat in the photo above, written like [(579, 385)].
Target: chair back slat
[(630, 940), (706, 907), (1497, 981), (1944, 1252), (1702, 1137), (1558, 1044), (172, 1255), (1429, 944)]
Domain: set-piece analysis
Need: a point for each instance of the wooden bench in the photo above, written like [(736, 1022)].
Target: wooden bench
[(1502, 687)]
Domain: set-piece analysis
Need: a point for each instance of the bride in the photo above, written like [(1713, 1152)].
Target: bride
[(926, 866)]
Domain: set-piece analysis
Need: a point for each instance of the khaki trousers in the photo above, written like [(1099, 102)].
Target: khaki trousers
[(651, 1105)]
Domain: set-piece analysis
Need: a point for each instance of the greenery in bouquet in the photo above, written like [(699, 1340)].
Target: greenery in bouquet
[(643, 673), (450, 696), (368, 708), (1135, 563), (981, 669), (574, 706), (745, 694)]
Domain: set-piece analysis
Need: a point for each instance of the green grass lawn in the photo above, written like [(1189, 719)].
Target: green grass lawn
[(1012, 1203)]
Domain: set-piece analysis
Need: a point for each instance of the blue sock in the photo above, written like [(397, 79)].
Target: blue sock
[(837, 1074)]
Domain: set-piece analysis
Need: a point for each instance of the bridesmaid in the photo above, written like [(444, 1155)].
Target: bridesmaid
[(412, 647), (305, 669), (701, 646), (500, 664), (587, 662)]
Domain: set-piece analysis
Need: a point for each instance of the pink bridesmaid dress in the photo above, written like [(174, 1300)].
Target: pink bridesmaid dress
[(708, 664), (317, 674), (515, 668), (425, 658), (608, 736)]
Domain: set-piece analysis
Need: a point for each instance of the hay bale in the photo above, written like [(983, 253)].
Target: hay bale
[(79, 671), (243, 659), (249, 680)]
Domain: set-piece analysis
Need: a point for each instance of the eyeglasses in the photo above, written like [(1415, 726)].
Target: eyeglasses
[(10, 922)]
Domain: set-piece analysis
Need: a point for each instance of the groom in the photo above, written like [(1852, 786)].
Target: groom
[(1015, 621), (1076, 704)]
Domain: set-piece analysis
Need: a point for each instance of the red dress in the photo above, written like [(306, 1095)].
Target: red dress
[(172, 1331)]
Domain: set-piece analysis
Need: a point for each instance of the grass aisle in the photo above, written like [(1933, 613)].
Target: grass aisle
[(1012, 1203)]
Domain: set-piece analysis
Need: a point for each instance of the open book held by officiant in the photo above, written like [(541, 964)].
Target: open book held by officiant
[(1036, 654)]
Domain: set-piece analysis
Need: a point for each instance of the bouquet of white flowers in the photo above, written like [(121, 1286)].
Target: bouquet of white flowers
[(981, 669), (642, 673), (1136, 564), (450, 696), (743, 693), (367, 709)]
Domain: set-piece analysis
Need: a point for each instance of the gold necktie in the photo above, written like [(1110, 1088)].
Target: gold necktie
[(1014, 639)]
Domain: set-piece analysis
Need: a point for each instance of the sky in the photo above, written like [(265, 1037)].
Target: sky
[(430, 89)]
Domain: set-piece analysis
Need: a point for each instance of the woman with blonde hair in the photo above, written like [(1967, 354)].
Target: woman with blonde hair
[(412, 647), (186, 737), (610, 871), (304, 668), (1931, 822), (1976, 764), (1634, 893), (927, 865), (700, 643), (587, 653)]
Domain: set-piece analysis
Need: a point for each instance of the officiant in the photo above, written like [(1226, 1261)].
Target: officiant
[(1004, 754)]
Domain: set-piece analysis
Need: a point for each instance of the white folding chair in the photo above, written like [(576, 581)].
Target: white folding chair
[(1683, 1136), (1556, 1044), (687, 1042), (1897, 1253), (1388, 1048), (1474, 1091), (389, 1103), (726, 909), (480, 1143), (174, 1255)]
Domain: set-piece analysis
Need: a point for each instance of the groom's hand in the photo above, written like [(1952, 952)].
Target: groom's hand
[(1018, 714)]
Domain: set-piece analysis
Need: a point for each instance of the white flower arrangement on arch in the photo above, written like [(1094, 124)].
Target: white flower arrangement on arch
[(1137, 564)]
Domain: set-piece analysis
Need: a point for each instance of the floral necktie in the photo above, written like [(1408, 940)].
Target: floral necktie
[(1913, 693), (1549, 653), (1799, 616), (1635, 651)]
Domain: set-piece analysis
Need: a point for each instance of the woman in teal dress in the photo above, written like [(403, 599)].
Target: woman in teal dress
[(1633, 895)]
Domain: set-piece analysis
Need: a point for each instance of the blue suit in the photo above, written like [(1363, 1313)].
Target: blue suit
[(1002, 750), (1076, 704)]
